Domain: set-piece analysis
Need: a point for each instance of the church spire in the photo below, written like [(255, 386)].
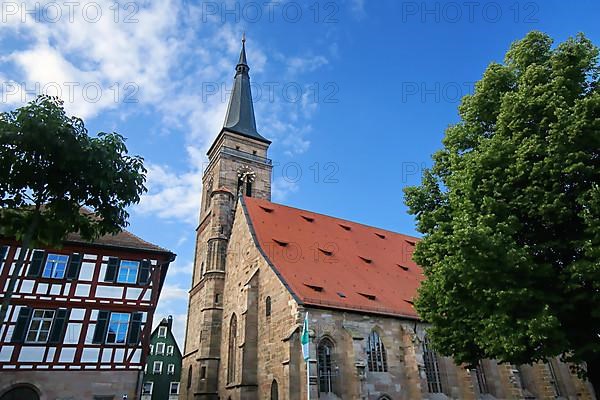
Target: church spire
[(240, 112)]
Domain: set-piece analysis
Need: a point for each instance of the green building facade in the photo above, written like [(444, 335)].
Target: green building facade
[(163, 367)]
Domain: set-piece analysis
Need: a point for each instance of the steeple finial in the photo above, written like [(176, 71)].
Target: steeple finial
[(242, 63)]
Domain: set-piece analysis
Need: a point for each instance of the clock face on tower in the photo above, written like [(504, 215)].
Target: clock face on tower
[(246, 174)]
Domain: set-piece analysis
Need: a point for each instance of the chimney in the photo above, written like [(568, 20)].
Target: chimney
[(170, 322)]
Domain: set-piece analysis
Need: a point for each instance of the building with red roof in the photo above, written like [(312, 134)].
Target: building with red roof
[(261, 268)]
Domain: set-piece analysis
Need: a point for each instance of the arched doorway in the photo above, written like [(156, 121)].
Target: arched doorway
[(23, 392)]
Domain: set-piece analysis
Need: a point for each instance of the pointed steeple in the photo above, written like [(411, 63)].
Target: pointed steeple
[(240, 112)]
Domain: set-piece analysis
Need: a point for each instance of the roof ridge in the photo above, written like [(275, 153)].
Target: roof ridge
[(331, 216)]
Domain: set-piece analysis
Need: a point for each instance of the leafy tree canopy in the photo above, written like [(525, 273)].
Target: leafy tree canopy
[(510, 212), (50, 168)]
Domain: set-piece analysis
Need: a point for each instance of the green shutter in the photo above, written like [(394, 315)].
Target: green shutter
[(74, 266), (101, 325), (35, 266), (59, 326), (3, 253), (144, 272), (111, 269), (22, 324), (135, 325)]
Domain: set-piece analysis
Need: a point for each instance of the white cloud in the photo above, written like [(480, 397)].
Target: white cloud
[(358, 8), (173, 293), (282, 187), (170, 61), (103, 55), (172, 195), (298, 65), (177, 268)]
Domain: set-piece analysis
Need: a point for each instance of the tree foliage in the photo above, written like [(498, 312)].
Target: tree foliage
[(510, 212), (50, 167)]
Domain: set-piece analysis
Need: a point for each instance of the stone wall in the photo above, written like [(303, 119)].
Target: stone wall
[(267, 344), (75, 385), (406, 378)]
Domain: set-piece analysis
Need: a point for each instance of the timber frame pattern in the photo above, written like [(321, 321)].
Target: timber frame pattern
[(75, 341)]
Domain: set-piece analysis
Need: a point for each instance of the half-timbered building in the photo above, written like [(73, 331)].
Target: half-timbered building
[(80, 318)]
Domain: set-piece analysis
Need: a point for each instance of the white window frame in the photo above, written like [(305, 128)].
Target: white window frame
[(160, 348), (154, 370), (151, 387), (128, 276), (162, 331), (171, 389), (55, 266), (41, 318), (119, 323), (170, 350), (171, 369), (151, 349)]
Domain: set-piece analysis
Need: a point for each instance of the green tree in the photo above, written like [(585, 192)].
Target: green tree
[(510, 210), (55, 180)]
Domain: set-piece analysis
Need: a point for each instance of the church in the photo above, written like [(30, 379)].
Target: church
[(260, 267)]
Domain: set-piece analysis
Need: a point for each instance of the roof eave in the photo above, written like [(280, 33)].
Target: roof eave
[(258, 138), (171, 256)]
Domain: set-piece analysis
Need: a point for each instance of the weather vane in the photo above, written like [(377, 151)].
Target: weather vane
[(244, 37)]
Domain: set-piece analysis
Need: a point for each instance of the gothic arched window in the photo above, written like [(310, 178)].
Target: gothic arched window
[(376, 356), (245, 178), (324, 366), (231, 354), (554, 376), (481, 379), (432, 369), (208, 193), (189, 381), (274, 390), (244, 187), (268, 306)]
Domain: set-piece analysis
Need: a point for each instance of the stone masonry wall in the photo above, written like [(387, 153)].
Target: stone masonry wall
[(249, 281), (75, 385)]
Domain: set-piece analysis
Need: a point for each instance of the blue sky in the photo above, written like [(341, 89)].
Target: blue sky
[(355, 95)]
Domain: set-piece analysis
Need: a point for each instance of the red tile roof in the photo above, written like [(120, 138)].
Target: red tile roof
[(123, 239), (330, 262)]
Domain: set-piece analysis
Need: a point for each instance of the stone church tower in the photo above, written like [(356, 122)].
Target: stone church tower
[(238, 165)]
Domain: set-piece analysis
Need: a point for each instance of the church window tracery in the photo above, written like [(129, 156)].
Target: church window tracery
[(231, 362), (376, 355), (325, 366), (432, 369)]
